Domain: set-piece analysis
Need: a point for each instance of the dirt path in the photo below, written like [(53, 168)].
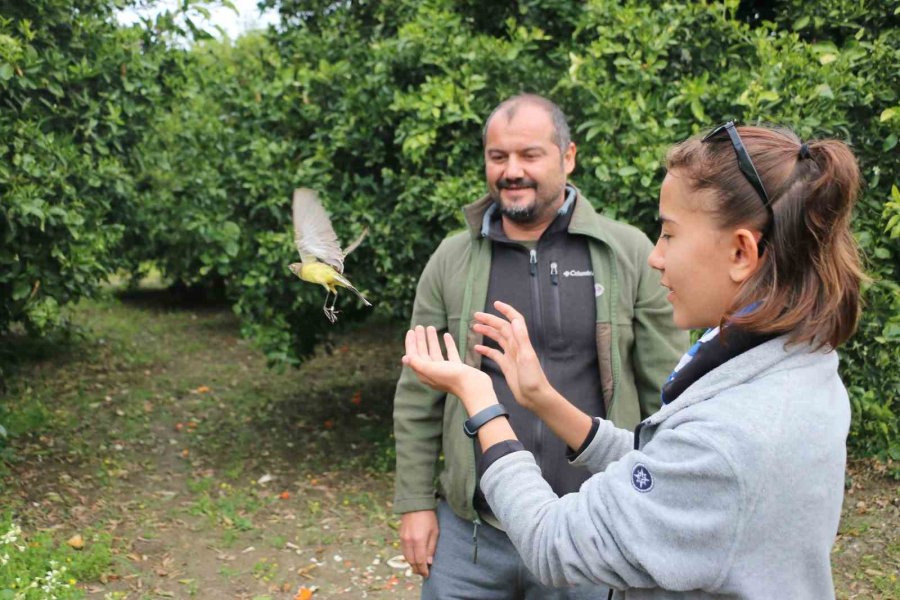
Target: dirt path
[(206, 475), (213, 476)]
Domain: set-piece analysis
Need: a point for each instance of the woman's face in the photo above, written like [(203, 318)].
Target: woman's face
[(695, 258)]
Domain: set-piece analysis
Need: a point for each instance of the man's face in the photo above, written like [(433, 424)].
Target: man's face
[(526, 173)]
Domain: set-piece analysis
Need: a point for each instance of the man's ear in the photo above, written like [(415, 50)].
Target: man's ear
[(569, 158), (745, 257)]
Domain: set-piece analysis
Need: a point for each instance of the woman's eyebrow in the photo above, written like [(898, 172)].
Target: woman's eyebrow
[(664, 220)]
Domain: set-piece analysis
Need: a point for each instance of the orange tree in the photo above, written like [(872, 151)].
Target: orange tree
[(379, 106)]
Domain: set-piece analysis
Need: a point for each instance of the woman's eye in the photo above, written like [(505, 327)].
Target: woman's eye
[(664, 236)]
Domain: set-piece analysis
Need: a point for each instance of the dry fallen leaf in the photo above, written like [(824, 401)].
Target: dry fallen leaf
[(284, 495), (202, 389), (76, 541), (304, 594), (357, 398)]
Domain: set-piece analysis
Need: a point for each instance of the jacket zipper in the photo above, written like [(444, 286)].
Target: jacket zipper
[(539, 345), (554, 299)]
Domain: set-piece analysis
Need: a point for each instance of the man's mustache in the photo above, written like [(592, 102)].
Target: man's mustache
[(522, 182)]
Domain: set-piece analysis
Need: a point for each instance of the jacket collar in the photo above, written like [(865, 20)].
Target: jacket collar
[(769, 357), (585, 220)]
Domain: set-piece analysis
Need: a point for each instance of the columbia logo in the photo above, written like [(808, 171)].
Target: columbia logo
[(578, 273)]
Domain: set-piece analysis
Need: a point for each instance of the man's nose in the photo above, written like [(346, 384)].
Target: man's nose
[(514, 168)]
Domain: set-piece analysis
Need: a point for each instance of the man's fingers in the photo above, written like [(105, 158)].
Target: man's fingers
[(417, 561), (452, 351), (434, 346), (414, 551), (430, 547)]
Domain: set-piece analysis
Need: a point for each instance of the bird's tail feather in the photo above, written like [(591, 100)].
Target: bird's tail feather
[(346, 283), (361, 297)]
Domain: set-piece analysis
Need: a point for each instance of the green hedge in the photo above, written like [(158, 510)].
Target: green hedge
[(379, 106)]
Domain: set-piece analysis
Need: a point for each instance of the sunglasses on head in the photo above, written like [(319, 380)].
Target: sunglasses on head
[(748, 170)]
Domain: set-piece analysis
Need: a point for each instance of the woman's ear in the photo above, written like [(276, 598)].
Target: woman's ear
[(745, 257)]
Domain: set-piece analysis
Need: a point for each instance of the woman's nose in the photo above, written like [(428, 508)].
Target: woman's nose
[(656, 260)]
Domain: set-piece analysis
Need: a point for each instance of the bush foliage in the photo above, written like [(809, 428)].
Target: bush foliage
[(125, 149)]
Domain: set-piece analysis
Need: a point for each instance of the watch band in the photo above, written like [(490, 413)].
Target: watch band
[(474, 423)]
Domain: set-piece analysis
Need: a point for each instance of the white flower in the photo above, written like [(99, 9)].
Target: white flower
[(11, 536)]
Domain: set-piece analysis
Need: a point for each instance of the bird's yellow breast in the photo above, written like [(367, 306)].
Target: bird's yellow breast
[(318, 272)]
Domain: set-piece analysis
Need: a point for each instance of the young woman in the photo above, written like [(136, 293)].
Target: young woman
[(734, 488)]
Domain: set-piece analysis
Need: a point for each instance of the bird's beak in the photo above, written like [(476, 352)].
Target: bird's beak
[(295, 268)]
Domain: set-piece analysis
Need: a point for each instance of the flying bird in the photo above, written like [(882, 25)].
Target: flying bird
[(321, 257)]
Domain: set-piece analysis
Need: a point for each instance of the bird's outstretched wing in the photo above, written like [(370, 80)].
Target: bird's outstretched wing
[(313, 234), (356, 242)]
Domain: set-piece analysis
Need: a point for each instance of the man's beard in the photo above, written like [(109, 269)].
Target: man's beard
[(519, 213)]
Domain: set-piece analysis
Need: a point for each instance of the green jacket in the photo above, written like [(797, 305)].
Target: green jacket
[(637, 348)]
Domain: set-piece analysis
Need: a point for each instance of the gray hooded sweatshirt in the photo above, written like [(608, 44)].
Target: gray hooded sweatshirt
[(734, 492)]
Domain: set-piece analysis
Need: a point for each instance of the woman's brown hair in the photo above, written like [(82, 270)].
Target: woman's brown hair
[(809, 281)]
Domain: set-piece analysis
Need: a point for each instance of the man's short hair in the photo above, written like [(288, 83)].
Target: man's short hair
[(561, 135)]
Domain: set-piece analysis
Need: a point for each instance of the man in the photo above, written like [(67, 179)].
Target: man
[(598, 319)]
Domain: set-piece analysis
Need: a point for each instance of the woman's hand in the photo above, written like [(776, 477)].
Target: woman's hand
[(518, 360), (526, 379), (424, 357)]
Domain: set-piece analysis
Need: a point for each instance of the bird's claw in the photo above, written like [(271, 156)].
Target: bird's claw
[(331, 314)]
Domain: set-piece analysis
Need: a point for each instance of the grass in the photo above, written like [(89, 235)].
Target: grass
[(217, 477), (145, 393)]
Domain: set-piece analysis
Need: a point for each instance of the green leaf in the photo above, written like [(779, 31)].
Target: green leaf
[(889, 142), (887, 114), (800, 23), (627, 171), (21, 289), (6, 71), (823, 90), (697, 111), (891, 331)]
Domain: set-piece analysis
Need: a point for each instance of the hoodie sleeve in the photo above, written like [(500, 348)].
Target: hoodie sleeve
[(666, 517), (609, 443)]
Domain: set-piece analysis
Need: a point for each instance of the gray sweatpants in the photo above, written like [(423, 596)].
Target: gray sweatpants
[(499, 573)]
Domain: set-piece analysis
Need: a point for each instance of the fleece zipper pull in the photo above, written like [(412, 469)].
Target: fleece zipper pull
[(533, 260), (554, 274), (476, 522)]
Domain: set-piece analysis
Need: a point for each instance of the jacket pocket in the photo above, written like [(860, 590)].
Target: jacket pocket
[(604, 359)]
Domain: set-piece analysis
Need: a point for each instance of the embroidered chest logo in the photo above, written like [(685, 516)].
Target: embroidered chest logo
[(574, 273), (641, 478)]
